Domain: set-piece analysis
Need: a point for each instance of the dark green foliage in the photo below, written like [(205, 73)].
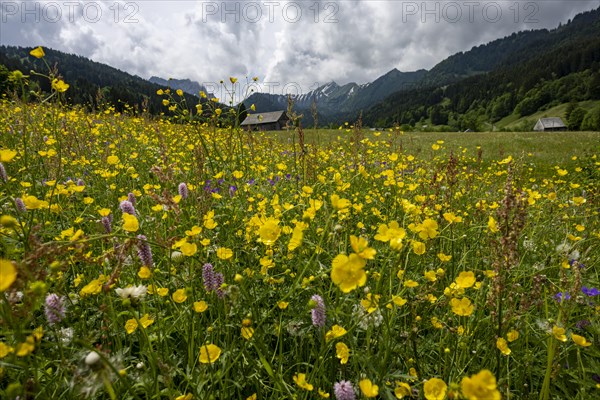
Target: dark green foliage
[(522, 73), (92, 84), (576, 118), (591, 121)]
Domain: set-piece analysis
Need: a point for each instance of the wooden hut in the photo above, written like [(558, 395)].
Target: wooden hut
[(269, 121), (550, 124)]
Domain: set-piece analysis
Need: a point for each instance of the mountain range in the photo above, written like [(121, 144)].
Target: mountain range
[(506, 79), (332, 99), (188, 86)]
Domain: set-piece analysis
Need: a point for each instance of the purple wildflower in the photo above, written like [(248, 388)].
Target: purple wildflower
[(144, 251), (80, 182), (127, 207), (590, 291), (582, 324), (131, 199), (208, 277), (560, 296), (54, 308), (318, 313), (183, 190), (3, 174), (106, 222), (219, 280), (232, 190), (20, 205), (344, 391), (212, 280)]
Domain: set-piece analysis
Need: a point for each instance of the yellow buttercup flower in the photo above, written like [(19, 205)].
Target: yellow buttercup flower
[(94, 287), (559, 333), (300, 380), (130, 326), (512, 335), (342, 352), (481, 386), (282, 305), (179, 296), (5, 350), (200, 306), (492, 225), (580, 340), (146, 321), (339, 203), (189, 249), (6, 155), (247, 332), (38, 52), (418, 248), (130, 223), (391, 233), (33, 203), (224, 253), (8, 274), (336, 331), (348, 272), (502, 345), (427, 229), (361, 247), (209, 353), (26, 347), (452, 218), (465, 279), (59, 85), (269, 232), (398, 300), (444, 257), (144, 272), (402, 390), (368, 388), (462, 307), (435, 389), (370, 303)]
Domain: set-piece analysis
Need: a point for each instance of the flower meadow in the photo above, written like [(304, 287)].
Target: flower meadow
[(152, 258)]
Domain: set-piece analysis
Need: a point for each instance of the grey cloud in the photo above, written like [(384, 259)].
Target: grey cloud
[(178, 39)]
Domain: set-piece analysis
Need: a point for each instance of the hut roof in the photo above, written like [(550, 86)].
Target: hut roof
[(263, 118), (551, 123)]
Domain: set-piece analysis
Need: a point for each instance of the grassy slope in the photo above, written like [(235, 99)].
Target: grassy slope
[(513, 120)]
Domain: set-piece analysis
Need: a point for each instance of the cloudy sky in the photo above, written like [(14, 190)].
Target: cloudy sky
[(289, 45)]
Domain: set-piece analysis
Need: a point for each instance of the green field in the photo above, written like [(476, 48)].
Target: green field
[(148, 259), (546, 149)]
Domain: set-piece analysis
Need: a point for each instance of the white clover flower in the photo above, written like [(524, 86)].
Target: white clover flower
[(65, 335), (132, 292), (366, 320)]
